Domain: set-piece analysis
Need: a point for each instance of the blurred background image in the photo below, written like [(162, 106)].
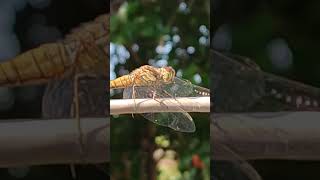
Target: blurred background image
[(282, 37), (160, 33), (24, 25)]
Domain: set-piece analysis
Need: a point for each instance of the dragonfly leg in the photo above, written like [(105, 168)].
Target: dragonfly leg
[(134, 100), (73, 171), (169, 95), (77, 109), (77, 77), (154, 93), (76, 113)]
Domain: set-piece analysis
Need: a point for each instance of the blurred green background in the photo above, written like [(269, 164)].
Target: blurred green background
[(160, 33)]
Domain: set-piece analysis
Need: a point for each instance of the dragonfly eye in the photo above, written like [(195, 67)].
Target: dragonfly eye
[(168, 74)]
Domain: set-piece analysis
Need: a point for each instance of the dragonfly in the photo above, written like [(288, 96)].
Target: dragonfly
[(152, 82)]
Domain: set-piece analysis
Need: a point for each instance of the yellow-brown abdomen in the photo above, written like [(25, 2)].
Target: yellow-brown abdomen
[(41, 63), (121, 82)]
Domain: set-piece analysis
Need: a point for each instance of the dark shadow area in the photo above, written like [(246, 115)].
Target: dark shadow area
[(265, 59), (33, 23)]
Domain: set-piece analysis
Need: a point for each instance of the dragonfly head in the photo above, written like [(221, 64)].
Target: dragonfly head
[(167, 74)]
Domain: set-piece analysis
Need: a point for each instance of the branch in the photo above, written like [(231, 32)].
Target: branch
[(36, 142), (278, 135), (187, 104)]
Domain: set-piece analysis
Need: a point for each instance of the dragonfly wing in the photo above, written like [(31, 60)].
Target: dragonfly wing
[(179, 88), (180, 121), (115, 92), (184, 88), (127, 93), (139, 92)]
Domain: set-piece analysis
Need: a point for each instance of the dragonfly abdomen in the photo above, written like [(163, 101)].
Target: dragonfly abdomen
[(202, 93), (86, 48), (40, 64), (121, 82)]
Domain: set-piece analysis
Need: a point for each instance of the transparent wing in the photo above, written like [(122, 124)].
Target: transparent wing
[(181, 121), (184, 88)]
